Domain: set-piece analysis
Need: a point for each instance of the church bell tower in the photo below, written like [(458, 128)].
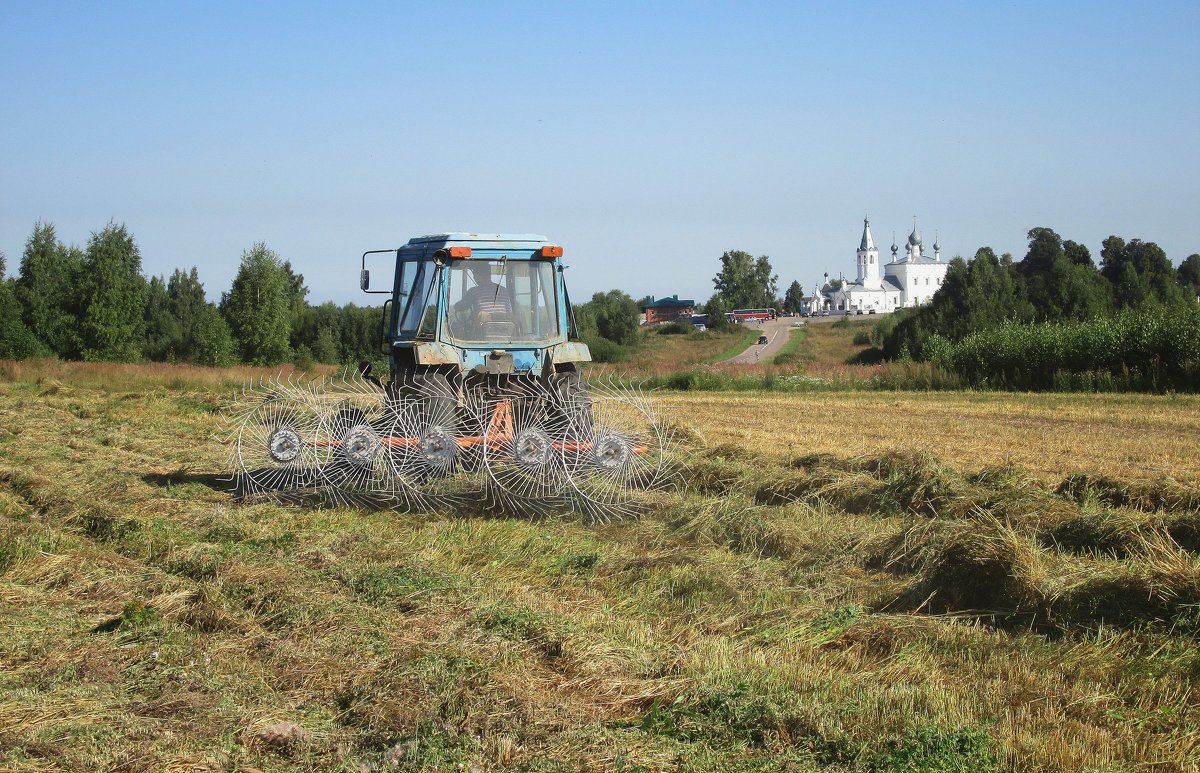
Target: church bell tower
[(868, 259)]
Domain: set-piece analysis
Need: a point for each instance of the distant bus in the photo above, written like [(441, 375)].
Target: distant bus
[(742, 315)]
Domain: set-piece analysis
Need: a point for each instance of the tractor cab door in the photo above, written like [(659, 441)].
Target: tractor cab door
[(416, 299)]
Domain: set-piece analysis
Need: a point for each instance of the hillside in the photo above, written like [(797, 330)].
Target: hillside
[(858, 581)]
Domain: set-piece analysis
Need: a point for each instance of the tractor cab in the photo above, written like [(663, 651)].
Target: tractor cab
[(478, 304)]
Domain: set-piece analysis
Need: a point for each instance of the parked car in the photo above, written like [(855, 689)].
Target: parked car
[(825, 312), (858, 312), (872, 311)]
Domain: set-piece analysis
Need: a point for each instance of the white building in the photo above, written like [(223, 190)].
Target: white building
[(815, 303), (908, 281)]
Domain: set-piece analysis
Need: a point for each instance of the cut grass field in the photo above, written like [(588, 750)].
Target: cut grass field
[(860, 581), (1046, 434)]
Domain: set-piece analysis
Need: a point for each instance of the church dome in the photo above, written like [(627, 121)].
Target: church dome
[(914, 238)]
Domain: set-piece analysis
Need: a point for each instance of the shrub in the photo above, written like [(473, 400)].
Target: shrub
[(678, 327), (791, 358), (604, 350), (1149, 349), (303, 358)]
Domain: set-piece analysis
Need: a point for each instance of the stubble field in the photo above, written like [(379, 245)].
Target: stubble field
[(851, 581)]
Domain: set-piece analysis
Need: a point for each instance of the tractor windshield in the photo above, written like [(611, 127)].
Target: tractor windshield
[(495, 301)]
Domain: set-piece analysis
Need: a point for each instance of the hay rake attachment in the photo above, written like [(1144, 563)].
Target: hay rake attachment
[(514, 445)]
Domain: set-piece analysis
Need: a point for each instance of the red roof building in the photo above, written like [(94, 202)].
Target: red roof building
[(670, 310)]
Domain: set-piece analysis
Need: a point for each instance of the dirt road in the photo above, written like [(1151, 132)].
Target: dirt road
[(777, 332)]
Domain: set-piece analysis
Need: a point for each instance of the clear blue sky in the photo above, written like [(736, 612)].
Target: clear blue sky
[(647, 138)]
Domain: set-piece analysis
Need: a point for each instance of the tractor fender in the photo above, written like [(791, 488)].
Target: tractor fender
[(571, 351)]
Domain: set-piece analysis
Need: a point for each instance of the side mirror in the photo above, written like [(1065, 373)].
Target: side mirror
[(364, 278)]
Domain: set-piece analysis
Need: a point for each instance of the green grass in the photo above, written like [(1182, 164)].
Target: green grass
[(874, 612), (789, 353)]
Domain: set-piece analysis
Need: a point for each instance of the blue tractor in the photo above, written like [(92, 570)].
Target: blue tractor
[(472, 308), (485, 402)]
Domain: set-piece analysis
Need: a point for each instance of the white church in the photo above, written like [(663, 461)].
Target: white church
[(908, 281)]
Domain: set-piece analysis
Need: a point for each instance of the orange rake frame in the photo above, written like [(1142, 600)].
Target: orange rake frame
[(499, 430)]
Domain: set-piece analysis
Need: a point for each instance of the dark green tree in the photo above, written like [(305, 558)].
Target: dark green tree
[(1189, 274), (1129, 288), (296, 290), (186, 300), (615, 315), (1152, 277), (765, 278), (212, 342), (16, 340), (1057, 288), (991, 296), (176, 312), (112, 293), (1078, 254), (163, 333), (793, 299), (326, 348), (258, 307), (974, 296), (950, 306), (361, 331), (716, 313), (945, 315), (746, 282), (320, 328), (45, 288)]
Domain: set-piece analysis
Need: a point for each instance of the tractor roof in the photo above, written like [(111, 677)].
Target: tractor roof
[(459, 237)]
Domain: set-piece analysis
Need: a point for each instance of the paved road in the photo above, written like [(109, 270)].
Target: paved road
[(776, 331)]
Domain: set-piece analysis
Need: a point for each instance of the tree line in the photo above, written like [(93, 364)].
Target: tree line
[(747, 282), (1131, 320), (609, 322), (94, 303)]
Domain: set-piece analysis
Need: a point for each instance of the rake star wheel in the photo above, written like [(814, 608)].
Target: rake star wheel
[(355, 420), (620, 445), (274, 454), (522, 449), (430, 448)]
